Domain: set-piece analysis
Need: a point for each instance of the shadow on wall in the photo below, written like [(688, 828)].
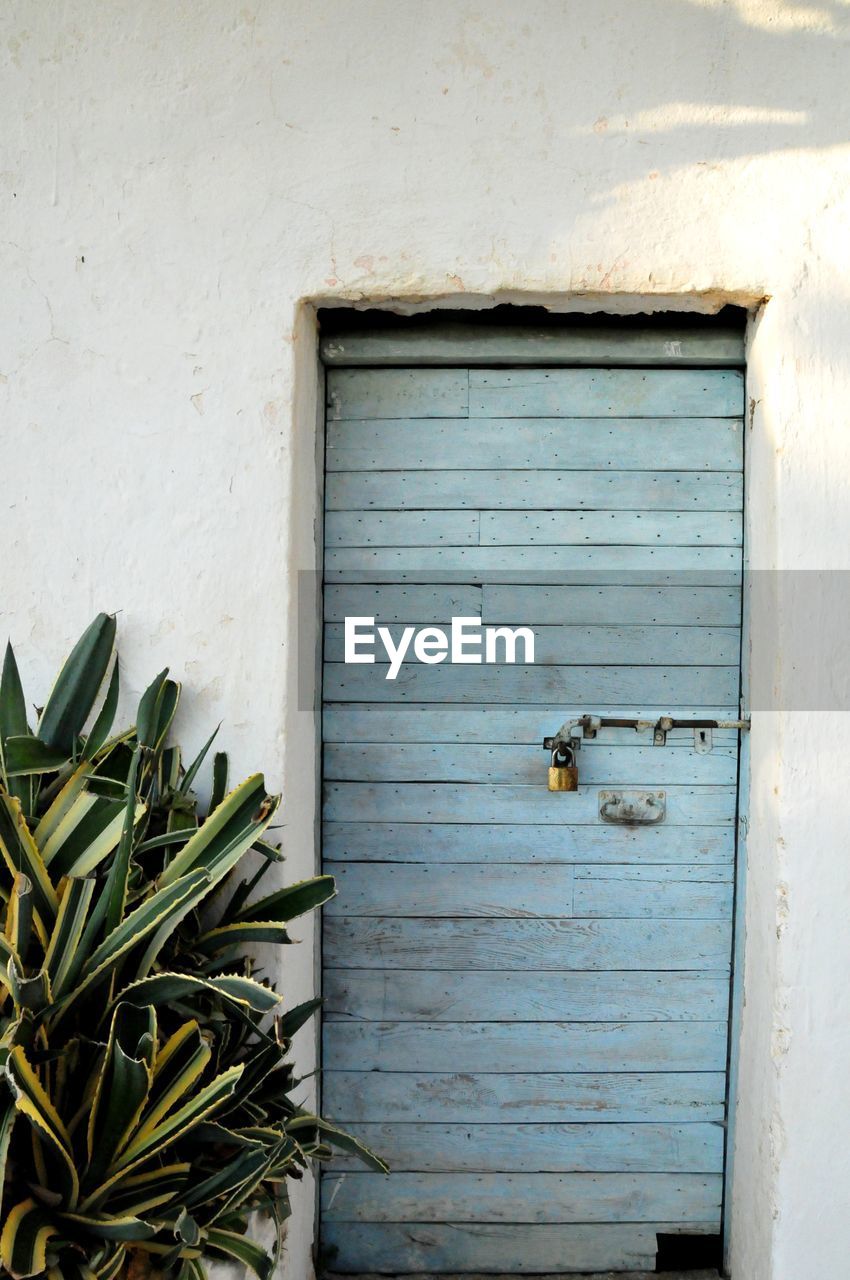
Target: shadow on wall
[(741, 77)]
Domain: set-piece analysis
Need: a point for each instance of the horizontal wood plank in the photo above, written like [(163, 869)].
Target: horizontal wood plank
[(464, 889), (394, 603), (537, 1097), (523, 1197), (674, 892), (675, 603), (544, 1046), (438, 996), (495, 723), (386, 528), (609, 528), (509, 889), (491, 1248), (412, 528), (605, 393), (597, 764), (476, 344), (364, 942), (543, 1148), (446, 802), (663, 685), (532, 490), (397, 393), (560, 566), (548, 444), (468, 842)]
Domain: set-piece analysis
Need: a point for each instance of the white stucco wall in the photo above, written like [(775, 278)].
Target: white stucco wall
[(181, 180)]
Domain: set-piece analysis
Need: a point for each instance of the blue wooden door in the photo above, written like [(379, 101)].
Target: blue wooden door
[(526, 1007)]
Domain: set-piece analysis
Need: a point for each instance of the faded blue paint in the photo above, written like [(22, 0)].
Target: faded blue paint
[(527, 1009)]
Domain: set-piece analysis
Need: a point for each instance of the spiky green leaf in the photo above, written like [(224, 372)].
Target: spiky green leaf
[(19, 912), (150, 915), (77, 685), (111, 1226), (100, 730), (294, 1019), (242, 934), (143, 1192), (243, 1250), (64, 950), (337, 1138), (87, 835), (293, 901), (32, 1102), (122, 1088), (164, 988), (192, 771), (13, 723), (7, 1124), (25, 756), (20, 853), (26, 1234), (228, 833), (157, 707), (179, 1065)]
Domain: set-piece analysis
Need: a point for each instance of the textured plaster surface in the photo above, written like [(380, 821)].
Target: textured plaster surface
[(180, 181)]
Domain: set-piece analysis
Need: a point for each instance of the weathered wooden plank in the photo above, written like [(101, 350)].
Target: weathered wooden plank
[(548, 444), (603, 528), (605, 393), (525, 725), (385, 528), (602, 843), (523, 1197), (543, 1148), (538, 1046), (531, 490), (438, 996), (482, 344), (393, 603), (454, 1248), (397, 393), (591, 685), (363, 942), (597, 763), (536, 1097), (511, 889), (673, 604), (446, 802), (562, 566), (677, 891), (408, 889), (553, 645), (416, 528)]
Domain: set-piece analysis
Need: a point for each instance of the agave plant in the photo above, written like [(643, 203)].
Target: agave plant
[(146, 1102)]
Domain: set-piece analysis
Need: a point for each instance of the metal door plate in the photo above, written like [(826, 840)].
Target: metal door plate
[(632, 808)]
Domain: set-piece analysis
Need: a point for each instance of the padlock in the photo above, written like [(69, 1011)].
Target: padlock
[(563, 771)]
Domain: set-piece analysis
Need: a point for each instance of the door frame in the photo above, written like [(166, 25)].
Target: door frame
[(309, 609)]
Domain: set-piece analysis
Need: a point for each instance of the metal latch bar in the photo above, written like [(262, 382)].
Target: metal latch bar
[(587, 726)]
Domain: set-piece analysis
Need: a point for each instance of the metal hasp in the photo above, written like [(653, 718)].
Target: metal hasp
[(632, 808), (572, 732)]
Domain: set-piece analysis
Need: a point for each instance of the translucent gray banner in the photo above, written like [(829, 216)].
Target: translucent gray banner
[(786, 631)]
